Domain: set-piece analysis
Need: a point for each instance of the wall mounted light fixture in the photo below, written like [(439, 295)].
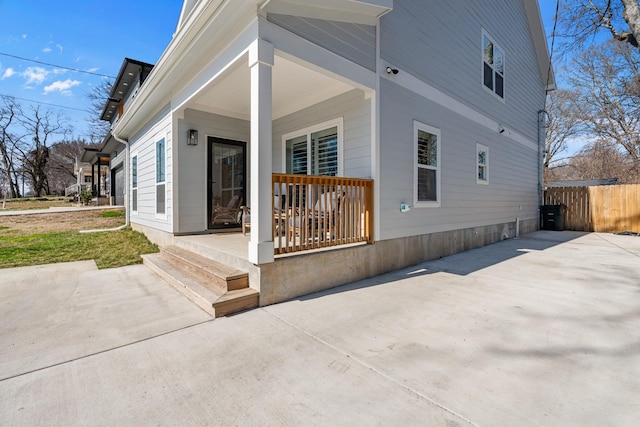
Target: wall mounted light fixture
[(192, 138)]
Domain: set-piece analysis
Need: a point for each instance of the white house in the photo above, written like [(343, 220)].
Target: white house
[(364, 135)]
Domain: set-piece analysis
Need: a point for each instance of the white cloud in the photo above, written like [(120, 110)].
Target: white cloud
[(46, 49), (59, 46), (35, 75), (7, 73), (24, 36), (61, 86)]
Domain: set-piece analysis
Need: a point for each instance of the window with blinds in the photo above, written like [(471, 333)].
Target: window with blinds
[(313, 153)]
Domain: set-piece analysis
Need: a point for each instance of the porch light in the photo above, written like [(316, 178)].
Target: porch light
[(193, 137)]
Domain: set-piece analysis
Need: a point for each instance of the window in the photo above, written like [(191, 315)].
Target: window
[(134, 183), (160, 178), (493, 66), (314, 151), (482, 156), (427, 168)]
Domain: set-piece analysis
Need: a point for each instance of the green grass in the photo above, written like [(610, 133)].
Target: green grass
[(112, 214), (108, 249)]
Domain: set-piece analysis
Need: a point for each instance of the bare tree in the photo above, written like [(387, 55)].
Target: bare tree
[(605, 80), (564, 122), (98, 96), (599, 159), (61, 166), (40, 126), (582, 20), (9, 111)]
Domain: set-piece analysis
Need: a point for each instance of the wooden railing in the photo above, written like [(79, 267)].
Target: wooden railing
[(312, 212)]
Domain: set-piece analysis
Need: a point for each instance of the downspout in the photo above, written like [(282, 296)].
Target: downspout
[(126, 186), (541, 154)]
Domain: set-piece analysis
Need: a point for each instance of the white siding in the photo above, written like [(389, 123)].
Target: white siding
[(511, 193), (356, 113), (355, 42), (144, 143), (191, 197)]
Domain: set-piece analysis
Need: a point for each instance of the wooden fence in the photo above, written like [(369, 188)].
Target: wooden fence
[(606, 208)]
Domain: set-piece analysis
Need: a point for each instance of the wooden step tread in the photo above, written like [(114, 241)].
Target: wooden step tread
[(220, 270), (218, 275), (212, 300)]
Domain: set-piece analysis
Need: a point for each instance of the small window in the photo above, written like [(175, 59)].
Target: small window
[(482, 167), (314, 151), (492, 66), (160, 177), (134, 183), (427, 165)]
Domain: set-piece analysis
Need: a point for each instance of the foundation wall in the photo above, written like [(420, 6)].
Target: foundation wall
[(301, 274), (291, 277)]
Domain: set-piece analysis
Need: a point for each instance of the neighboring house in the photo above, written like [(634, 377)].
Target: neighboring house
[(83, 173), (430, 111)]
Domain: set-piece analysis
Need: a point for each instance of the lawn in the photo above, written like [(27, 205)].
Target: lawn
[(27, 240), (28, 203)]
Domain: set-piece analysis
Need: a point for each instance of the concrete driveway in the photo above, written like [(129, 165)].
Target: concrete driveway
[(540, 330)]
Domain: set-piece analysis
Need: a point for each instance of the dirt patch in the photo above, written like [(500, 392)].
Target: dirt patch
[(58, 222)]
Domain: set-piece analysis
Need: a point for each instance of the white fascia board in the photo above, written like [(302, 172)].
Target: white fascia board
[(299, 50), (541, 47)]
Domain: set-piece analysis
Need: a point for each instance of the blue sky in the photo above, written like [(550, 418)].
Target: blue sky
[(89, 35)]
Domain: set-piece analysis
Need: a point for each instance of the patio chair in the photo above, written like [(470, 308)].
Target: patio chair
[(230, 214), (246, 219), (320, 221)]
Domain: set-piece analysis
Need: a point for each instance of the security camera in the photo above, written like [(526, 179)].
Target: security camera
[(392, 70)]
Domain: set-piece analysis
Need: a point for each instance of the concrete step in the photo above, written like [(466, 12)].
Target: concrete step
[(212, 299), (219, 275)]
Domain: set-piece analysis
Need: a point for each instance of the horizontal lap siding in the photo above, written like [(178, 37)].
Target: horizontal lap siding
[(355, 42), (439, 42), (144, 146), (356, 113), (512, 189)]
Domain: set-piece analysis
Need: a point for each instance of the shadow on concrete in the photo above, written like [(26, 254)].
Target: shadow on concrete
[(464, 263)]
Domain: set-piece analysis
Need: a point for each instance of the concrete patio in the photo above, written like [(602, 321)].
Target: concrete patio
[(538, 330)]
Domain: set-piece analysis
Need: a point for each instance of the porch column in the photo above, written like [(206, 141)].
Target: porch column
[(261, 63)]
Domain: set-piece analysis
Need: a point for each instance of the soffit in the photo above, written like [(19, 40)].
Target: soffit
[(294, 87), (356, 11)]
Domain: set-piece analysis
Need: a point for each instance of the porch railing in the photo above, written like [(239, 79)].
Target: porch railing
[(312, 212)]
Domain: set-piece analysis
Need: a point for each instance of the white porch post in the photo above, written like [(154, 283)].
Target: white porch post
[(261, 62)]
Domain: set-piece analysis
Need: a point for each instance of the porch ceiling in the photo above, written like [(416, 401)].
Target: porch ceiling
[(294, 87)]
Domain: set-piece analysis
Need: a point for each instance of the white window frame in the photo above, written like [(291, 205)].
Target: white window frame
[(339, 123), (134, 189), (418, 126), (157, 183), (493, 73), (482, 148)]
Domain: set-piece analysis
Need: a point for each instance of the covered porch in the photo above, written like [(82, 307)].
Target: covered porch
[(276, 100)]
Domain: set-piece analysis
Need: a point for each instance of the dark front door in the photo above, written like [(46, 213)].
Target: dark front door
[(227, 177), (118, 186)]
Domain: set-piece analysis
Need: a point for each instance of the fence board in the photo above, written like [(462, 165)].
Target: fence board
[(606, 208)]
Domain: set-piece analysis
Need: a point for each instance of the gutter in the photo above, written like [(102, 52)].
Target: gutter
[(126, 186)]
